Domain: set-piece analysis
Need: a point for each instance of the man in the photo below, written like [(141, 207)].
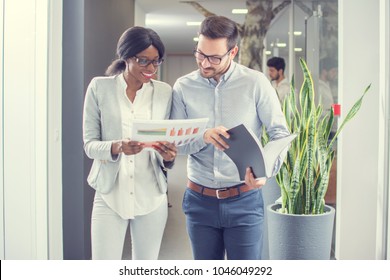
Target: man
[(328, 73), (224, 215), (325, 97), (276, 66)]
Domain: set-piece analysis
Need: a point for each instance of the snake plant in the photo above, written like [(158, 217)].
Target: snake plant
[(304, 175)]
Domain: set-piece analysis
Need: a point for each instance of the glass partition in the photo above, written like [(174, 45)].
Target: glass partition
[(314, 25)]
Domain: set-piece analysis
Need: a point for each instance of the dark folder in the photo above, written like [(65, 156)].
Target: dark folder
[(245, 150)]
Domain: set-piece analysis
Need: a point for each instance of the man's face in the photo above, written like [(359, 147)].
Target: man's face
[(216, 48), (273, 74), (332, 74)]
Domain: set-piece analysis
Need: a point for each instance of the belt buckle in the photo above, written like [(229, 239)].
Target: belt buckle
[(220, 190)]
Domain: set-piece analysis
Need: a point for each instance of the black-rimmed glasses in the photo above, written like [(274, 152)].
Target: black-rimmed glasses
[(211, 58), (143, 62)]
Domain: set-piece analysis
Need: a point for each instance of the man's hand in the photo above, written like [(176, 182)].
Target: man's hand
[(213, 136), (251, 181)]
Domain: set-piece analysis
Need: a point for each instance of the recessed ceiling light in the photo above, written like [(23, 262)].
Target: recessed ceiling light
[(193, 23), (298, 49), (296, 33), (239, 11), (267, 52), (196, 39), (281, 45)]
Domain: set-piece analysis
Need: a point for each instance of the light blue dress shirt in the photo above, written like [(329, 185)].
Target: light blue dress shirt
[(243, 95)]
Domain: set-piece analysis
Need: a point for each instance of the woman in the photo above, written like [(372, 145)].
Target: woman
[(130, 182)]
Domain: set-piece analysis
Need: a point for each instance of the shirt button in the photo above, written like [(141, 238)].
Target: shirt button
[(131, 176), (131, 193)]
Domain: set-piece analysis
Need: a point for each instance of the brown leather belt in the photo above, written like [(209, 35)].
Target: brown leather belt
[(219, 193)]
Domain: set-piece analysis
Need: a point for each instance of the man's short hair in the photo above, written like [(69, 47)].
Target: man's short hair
[(216, 27), (277, 63)]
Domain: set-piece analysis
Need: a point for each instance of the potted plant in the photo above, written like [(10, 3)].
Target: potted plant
[(304, 177)]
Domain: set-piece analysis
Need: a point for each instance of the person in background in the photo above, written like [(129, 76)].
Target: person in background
[(224, 215), (276, 67), (325, 97), (328, 73), (130, 184)]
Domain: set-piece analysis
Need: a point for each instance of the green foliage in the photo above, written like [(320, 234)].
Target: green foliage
[(304, 175)]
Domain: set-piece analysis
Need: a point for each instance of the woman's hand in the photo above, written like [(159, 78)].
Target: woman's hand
[(251, 181), (127, 147), (166, 149)]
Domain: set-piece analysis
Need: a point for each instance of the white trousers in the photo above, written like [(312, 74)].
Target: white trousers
[(108, 232)]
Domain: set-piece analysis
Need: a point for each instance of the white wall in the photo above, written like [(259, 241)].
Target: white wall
[(26, 119), (385, 75), (24, 217), (1, 138), (361, 175), (139, 15)]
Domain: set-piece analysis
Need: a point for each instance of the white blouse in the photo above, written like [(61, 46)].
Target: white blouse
[(136, 189)]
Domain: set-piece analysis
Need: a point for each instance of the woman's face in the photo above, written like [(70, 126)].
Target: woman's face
[(143, 67)]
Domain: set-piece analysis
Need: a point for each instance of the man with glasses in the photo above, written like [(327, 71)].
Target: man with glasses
[(224, 215)]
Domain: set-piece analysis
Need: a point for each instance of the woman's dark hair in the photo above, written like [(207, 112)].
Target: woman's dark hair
[(133, 41), (215, 27)]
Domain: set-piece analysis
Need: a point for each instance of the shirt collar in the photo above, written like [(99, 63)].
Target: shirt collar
[(122, 81), (229, 72), (225, 76), (123, 84)]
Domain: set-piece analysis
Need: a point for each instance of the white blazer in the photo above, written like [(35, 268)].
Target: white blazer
[(102, 124)]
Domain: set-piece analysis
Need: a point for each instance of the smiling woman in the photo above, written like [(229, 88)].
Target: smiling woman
[(130, 182)]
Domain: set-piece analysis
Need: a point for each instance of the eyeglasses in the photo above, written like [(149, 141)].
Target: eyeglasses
[(143, 62), (212, 59)]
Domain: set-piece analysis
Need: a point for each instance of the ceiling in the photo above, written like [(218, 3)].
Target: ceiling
[(169, 17)]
